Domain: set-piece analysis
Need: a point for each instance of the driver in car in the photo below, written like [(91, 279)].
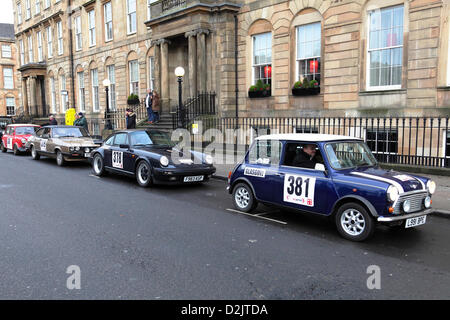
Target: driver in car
[(306, 158)]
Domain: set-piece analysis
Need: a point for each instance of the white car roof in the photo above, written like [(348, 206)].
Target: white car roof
[(306, 137)]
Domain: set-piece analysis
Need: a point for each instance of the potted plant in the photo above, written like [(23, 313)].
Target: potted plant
[(259, 90), (133, 99), (306, 88), (253, 92)]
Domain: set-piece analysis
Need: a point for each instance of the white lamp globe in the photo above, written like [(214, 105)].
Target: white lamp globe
[(106, 83), (179, 72)]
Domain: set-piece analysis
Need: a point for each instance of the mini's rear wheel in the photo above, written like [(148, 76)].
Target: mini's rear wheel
[(243, 198), (354, 222), (34, 153), (98, 166), (143, 174)]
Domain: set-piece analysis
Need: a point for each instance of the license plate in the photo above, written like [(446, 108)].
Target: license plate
[(414, 222), (193, 179), (87, 155)]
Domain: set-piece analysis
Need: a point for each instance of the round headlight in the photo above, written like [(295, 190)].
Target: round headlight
[(392, 193), (77, 148), (209, 159), (86, 150), (71, 149), (407, 206), (427, 202), (431, 186), (164, 161)]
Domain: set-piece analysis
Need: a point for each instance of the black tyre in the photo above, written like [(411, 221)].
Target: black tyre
[(243, 198), (15, 150), (3, 148), (34, 154), (60, 159), (144, 174), (98, 165), (354, 222)]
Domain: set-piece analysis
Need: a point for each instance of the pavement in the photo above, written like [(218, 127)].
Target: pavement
[(186, 242), (441, 198)]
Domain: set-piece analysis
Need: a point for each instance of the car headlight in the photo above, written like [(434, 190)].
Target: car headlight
[(406, 205), (86, 150), (392, 193), (427, 202), (431, 186), (71, 149), (209, 159), (164, 161)]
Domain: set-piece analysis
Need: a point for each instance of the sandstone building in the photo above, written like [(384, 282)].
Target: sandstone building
[(9, 93)]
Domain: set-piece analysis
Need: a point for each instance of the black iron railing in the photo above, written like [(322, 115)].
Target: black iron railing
[(416, 141), (202, 105)]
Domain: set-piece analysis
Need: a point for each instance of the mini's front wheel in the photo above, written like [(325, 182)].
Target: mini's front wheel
[(354, 222), (243, 198)]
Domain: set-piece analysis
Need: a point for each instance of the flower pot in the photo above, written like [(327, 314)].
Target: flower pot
[(305, 91), (132, 102), (254, 94)]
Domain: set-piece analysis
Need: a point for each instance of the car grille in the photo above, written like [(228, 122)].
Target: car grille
[(416, 202)]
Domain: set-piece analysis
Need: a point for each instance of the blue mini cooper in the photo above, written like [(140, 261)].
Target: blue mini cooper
[(331, 175)]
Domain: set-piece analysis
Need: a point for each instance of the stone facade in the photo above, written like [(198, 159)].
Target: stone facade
[(200, 36), (9, 92)]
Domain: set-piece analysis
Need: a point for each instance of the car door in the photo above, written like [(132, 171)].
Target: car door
[(303, 188), (107, 149), (8, 138), (261, 168), (43, 140), (121, 156)]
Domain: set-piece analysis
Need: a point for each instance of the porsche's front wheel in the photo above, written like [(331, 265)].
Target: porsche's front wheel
[(144, 174), (98, 165)]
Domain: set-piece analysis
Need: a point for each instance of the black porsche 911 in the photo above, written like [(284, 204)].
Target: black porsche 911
[(151, 157)]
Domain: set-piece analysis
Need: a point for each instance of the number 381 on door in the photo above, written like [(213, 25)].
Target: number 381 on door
[(299, 189)]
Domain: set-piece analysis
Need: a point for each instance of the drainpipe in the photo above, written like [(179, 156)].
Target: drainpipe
[(71, 52), (236, 66)]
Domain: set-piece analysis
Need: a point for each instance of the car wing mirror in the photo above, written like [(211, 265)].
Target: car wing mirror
[(321, 167), (124, 146)]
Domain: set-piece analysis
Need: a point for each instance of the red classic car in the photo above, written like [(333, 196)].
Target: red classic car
[(16, 137)]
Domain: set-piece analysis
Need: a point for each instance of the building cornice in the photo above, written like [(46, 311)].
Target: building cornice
[(40, 23)]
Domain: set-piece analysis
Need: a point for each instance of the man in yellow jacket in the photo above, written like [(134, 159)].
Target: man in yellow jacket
[(70, 116)]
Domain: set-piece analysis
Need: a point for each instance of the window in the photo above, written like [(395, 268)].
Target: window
[(28, 9), (265, 152), (47, 4), (134, 77), (121, 138), (38, 6), (30, 49), (131, 16), (112, 88), (10, 106), (6, 51), (8, 80), (91, 17), (81, 91), (64, 95), (302, 155), (385, 48), (151, 63), (308, 52), (49, 42), (108, 21), (383, 143), (78, 39), (262, 58), (22, 53), (60, 37), (149, 10), (95, 99), (19, 13), (39, 42), (53, 94)]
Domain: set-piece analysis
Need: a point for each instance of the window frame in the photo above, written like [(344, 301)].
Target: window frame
[(37, 9), (10, 81), (91, 27), (47, 4), (81, 91), (254, 66), (130, 76), (60, 38), (368, 50), (49, 42), (95, 91), (19, 13), (53, 94), (30, 49), (39, 46), (319, 57), (27, 9), (22, 52), (151, 70), (9, 50), (110, 22), (8, 107), (129, 14), (78, 33), (64, 97), (112, 88)]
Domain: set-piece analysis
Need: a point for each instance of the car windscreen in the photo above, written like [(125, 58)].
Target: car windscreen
[(69, 132), (153, 138), (349, 154), (26, 130)]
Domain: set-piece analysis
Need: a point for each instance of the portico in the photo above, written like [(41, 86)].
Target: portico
[(33, 89)]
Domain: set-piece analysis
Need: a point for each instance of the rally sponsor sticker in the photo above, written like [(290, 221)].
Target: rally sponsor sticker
[(404, 177), (44, 145), (299, 190), (255, 172), (117, 159), (9, 143)]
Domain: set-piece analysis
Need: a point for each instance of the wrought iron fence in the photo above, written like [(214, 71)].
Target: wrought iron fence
[(203, 104), (416, 141), (118, 117)]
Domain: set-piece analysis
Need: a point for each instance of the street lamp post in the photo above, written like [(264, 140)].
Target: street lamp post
[(106, 84), (179, 72)]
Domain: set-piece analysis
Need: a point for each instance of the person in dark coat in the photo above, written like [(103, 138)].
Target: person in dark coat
[(306, 158), (149, 106), (81, 121), (53, 121), (131, 119)]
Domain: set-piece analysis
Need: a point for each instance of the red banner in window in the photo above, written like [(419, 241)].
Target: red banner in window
[(313, 66), (267, 72)]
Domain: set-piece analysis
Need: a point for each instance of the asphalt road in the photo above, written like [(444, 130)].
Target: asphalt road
[(183, 243)]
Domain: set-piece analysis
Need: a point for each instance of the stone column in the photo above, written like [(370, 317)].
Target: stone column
[(192, 52), (33, 99), (201, 54), (26, 111), (157, 66), (165, 85)]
